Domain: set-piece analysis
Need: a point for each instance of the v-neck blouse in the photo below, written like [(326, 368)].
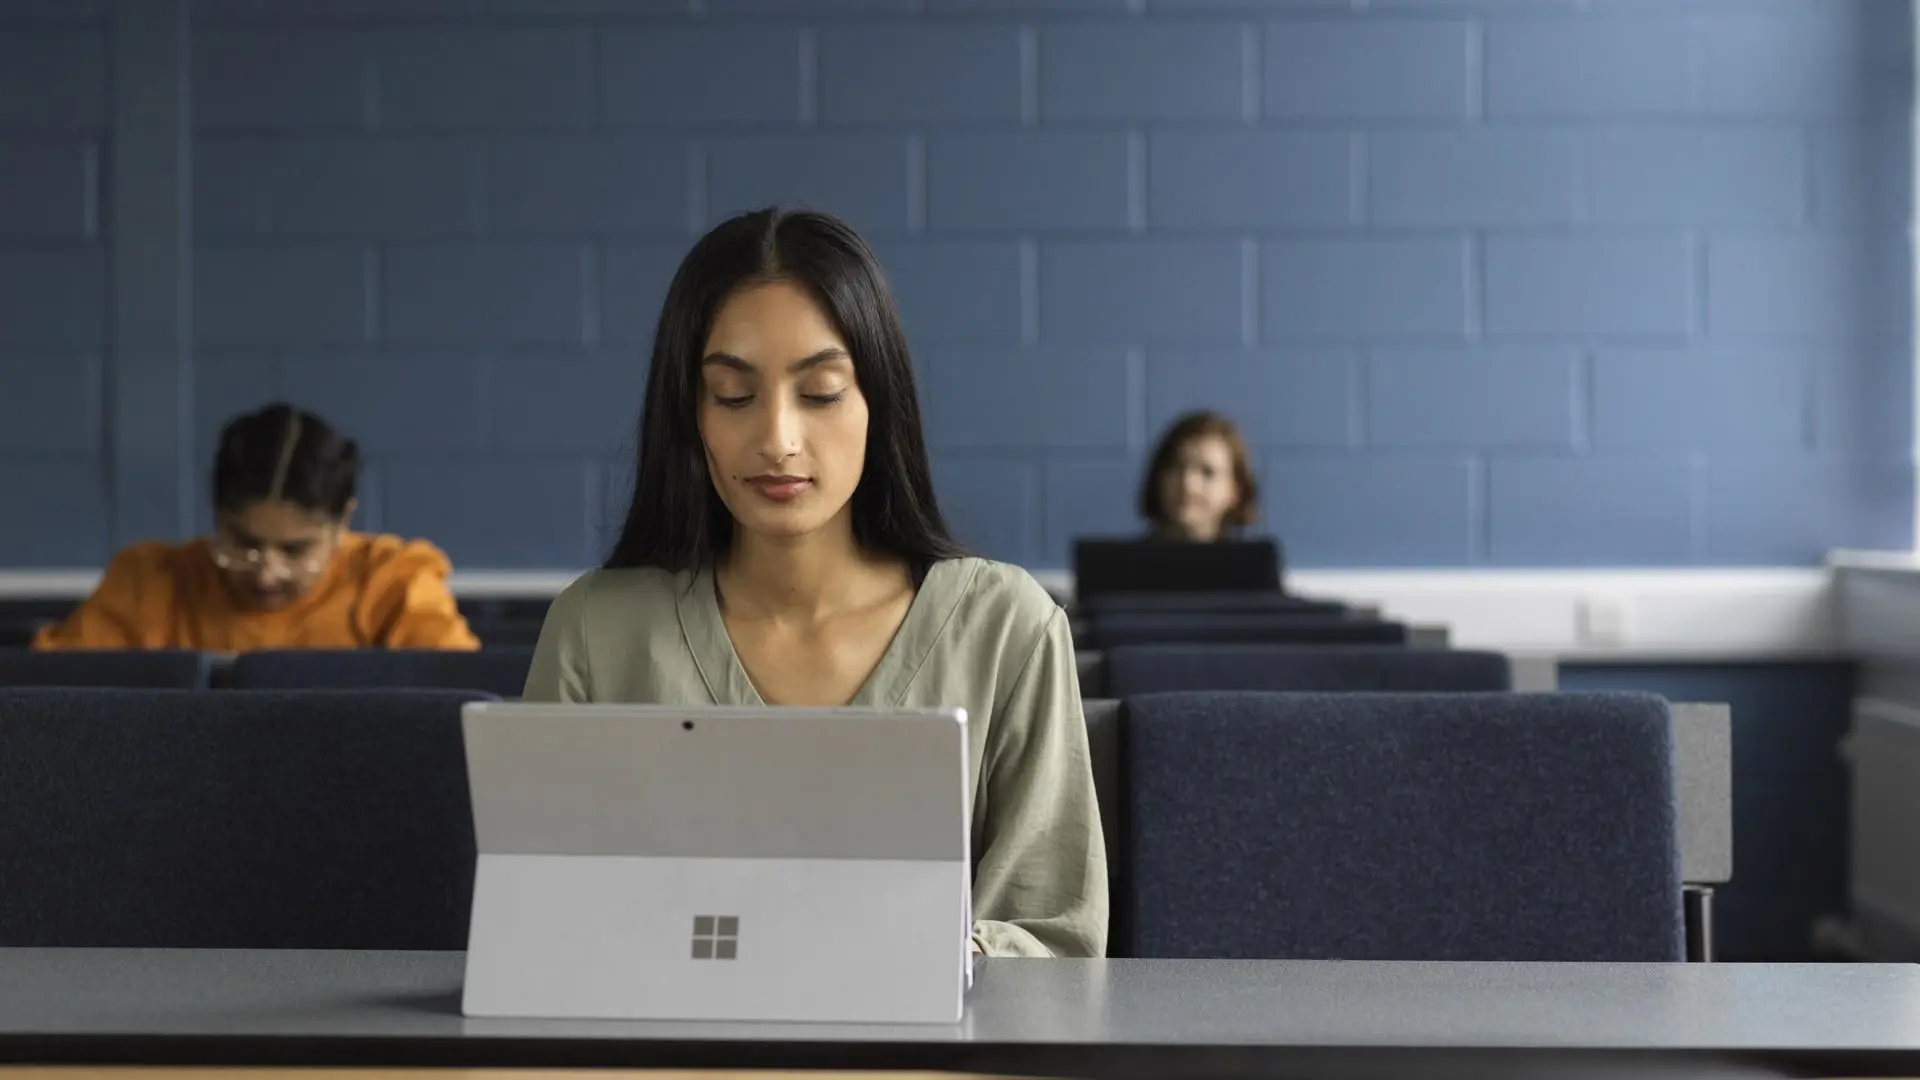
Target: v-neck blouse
[(726, 677), (980, 635)]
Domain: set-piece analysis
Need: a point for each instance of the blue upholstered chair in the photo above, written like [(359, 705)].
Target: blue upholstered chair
[(1151, 669), (149, 669), (234, 819), (1237, 628), (1401, 827), (1208, 603), (498, 670)]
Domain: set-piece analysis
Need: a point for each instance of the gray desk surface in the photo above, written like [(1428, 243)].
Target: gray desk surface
[(1025, 1016)]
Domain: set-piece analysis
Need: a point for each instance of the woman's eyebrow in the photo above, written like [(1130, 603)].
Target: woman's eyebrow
[(735, 363), (730, 361), (831, 352)]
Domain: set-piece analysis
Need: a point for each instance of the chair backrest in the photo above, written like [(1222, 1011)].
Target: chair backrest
[(1103, 746), (1152, 669), (1119, 564), (148, 669), (498, 670), (1091, 665), (22, 616), (1107, 752), (1403, 827), (506, 620), (234, 819), (1207, 603), (1112, 631)]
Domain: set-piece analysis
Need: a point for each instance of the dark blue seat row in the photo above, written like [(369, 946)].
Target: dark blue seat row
[(1397, 826), (309, 820), (497, 621), (1133, 669), (1202, 603), (1116, 629), (1464, 826), (1148, 669), (499, 670), (155, 669)]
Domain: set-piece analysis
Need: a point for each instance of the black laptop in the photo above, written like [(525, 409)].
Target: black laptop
[(1103, 566)]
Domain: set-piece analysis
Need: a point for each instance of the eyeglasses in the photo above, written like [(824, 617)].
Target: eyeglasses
[(228, 556)]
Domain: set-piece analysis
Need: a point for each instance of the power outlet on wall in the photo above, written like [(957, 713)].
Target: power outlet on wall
[(1599, 621)]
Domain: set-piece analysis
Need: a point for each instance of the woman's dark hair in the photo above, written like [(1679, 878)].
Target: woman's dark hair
[(1197, 425), (281, 453), (676, 520)]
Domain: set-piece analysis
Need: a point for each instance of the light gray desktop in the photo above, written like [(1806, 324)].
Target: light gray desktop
[(1052, 1017)]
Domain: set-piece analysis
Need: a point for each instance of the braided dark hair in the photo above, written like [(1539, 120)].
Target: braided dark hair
[(282, 453)]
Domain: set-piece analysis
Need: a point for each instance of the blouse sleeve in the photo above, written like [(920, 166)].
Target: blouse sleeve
[(1040, 885), (126, 610), (411, 606), (559, 671)]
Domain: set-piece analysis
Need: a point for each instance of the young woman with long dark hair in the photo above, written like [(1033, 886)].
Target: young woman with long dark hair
[(783, 546)]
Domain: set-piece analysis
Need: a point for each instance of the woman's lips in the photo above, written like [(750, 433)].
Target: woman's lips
[(780, 488)]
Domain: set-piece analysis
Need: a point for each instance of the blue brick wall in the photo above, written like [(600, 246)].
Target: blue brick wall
[(1487, 282), (53, 284)]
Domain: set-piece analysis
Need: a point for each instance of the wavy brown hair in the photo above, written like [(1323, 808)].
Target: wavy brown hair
[(1200, 425)]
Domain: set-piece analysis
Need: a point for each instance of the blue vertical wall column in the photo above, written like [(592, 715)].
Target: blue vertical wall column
[(53, 283), (149, 365)]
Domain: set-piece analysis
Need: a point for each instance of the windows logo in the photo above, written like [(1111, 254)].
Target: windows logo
[(716, 937)]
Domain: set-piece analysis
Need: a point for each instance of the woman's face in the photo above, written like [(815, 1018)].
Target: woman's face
[(1198, 489), (781, 416), (272, 552)]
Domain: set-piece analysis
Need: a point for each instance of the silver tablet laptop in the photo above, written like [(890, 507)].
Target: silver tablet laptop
[(686, 863)]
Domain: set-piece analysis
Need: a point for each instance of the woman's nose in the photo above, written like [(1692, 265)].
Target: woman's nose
[(781, 438)]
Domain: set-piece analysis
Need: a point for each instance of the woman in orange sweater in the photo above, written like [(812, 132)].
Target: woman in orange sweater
[(282, 569)]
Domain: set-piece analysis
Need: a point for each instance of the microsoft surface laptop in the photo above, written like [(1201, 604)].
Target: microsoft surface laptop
[(687, 863)]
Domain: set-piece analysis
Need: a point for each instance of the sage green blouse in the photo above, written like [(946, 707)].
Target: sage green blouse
[(980, 635)]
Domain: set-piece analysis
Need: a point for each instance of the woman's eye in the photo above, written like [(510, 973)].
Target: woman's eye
[(825, 399), (731, 402)]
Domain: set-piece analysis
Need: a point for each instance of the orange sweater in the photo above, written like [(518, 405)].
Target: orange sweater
[(379, 592)]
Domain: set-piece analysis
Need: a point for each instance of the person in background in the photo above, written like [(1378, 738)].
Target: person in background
[(282, 569), (1200, 484), (783, 546)]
